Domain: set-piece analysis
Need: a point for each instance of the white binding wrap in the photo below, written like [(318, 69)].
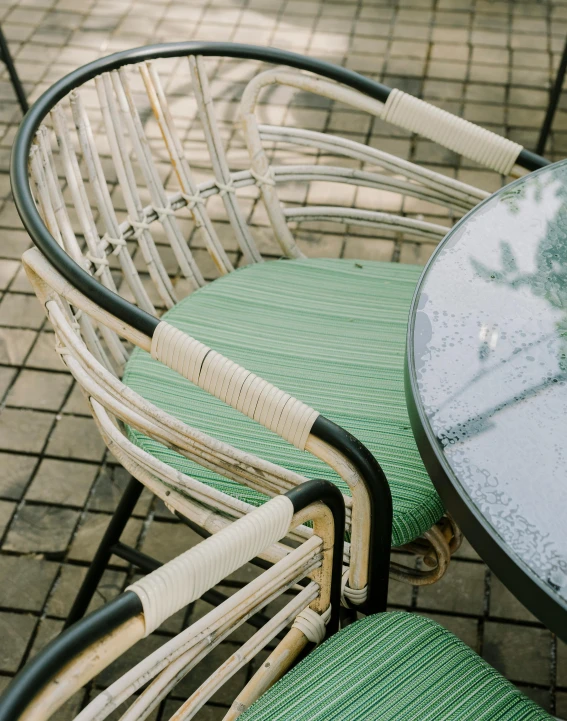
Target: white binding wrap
[(461, 136), (312, 624), (183, 580), (239, 388), (352, 596)]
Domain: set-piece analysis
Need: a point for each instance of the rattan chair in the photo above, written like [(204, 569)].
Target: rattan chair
[(115, 198), (390, 666)]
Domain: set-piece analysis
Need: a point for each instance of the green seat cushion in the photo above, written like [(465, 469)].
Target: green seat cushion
[(329, 332), (394, 667)]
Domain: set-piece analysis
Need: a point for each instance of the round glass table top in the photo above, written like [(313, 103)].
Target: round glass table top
[(487, 361)]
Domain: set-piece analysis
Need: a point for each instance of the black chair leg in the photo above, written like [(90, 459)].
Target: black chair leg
[(347, 616), (553, 102), (14, 78), (105, 550)]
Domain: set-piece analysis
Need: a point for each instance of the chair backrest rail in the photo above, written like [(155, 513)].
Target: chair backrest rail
[(24, 200)]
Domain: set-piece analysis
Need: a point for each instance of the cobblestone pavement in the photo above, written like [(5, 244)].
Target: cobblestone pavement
[(490, 61)]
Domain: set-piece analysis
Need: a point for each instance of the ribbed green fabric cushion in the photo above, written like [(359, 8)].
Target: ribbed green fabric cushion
[(393, 667), (330, 332)]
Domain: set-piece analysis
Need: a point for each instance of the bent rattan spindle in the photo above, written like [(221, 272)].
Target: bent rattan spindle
[(160, 201), (223, 177), (113, 236), (85, 279), (41, 164), (189, 190), (126, 179)]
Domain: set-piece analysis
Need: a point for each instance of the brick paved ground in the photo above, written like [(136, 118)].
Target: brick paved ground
[(490, 61)]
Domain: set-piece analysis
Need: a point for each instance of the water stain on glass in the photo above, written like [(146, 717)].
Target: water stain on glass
[(490, 353)]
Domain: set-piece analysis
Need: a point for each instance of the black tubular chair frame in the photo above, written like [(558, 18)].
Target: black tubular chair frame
[(6, 57)]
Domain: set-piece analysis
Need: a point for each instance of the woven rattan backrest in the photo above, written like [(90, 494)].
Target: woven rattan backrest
[(133, 180)]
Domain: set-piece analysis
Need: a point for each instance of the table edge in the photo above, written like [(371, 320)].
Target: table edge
[(516, 575)]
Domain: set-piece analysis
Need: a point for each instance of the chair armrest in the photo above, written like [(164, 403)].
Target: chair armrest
[(293, 420), (459, 135), (91, 644), (188, 576), (401, 109), (236, 386), (297, 423)]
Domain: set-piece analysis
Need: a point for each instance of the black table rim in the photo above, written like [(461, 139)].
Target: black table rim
[(517, 576)]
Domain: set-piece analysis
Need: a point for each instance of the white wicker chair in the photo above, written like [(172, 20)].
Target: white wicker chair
[(393, 666), (111, 225)]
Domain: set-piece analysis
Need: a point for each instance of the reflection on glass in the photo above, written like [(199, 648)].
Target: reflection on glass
[(549, 278), (491, 363)]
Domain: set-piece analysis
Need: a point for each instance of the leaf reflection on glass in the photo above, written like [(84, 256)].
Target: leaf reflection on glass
[(549, 281)]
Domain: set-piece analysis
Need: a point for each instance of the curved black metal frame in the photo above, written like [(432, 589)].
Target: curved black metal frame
[(78, 638), (69, 644), (380, 509), (23, 197), (540, 599), (327, 493), (554, 96)]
